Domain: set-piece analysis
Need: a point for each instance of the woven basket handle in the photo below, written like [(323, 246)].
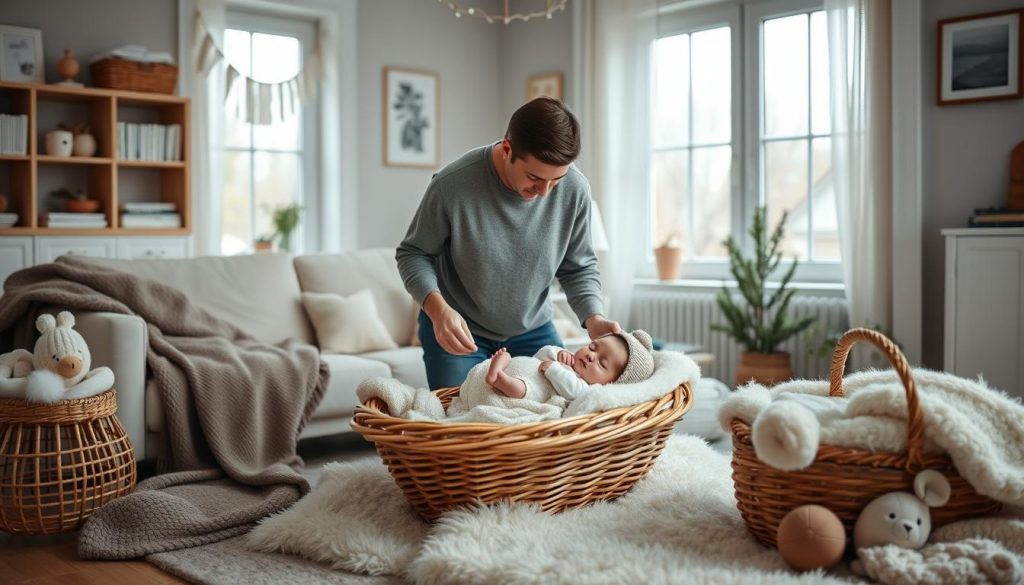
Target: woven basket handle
[(915, 420)]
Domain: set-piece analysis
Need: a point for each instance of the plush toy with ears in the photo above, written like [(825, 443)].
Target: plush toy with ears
[(902, 518)]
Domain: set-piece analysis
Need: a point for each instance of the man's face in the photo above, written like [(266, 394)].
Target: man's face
[(529, 177)]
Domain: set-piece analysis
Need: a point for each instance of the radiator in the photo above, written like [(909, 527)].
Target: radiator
[(686, 317)]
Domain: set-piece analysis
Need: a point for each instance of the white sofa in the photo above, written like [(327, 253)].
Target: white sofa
[(260, 294)]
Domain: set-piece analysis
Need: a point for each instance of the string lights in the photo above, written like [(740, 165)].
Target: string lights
[(460, 8)]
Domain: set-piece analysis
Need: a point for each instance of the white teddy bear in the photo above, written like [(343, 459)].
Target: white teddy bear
[(57, 370)]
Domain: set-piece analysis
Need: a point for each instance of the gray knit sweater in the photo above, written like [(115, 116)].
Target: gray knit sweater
[(493, 255)]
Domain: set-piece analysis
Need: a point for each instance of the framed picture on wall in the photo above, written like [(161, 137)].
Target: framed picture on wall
[(545, 84), (21, 54), (411, 118), (980, 58)]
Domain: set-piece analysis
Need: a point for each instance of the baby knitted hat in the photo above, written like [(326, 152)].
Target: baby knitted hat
[(640, 364)]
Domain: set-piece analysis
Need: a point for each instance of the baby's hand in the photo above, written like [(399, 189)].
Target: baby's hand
[(566, 358), (544, 365)]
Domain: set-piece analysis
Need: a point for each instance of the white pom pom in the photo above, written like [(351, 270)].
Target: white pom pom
[(786, 435), (44, 387)]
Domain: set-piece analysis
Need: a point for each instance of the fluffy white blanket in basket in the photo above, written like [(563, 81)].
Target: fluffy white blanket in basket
[(480, 403), (981, 429)]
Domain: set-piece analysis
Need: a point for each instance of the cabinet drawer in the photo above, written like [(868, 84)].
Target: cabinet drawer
[(131, 248), (15, 254), (49, 248)]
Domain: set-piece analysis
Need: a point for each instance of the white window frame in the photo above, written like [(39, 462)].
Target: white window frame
[(747, 113), (307, 236)]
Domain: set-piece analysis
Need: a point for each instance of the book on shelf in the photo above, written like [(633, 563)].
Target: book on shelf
[(142, 207), (152, 142), (151, 220), (8, 219), (55, 220), (13, 134), (996, 217)]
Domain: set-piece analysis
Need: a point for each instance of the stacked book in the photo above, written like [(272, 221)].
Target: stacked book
[(148, 141), (145, 214), (56, 219), (997, 217), (13, 134), (8, 219)]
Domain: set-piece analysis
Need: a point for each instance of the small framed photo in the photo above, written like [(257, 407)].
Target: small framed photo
[(980, 58), (545, 84), (411, 118), (21, 54)]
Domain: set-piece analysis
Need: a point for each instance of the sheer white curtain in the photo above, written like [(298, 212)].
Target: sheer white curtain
[(205, 78), (859, 60), (613, 45)]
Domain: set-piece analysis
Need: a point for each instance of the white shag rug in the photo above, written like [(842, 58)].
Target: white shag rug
[(679, 524)]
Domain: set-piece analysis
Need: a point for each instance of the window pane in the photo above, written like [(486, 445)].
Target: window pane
[(712, 81), (671, 198), (237, 237), (821, 119), (785, 76), (785, 182), (278, 183), (277, 58), (671, 92), (825, 220), (712, 171), (236, 53)]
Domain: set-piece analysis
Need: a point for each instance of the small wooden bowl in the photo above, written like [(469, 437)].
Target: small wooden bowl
[(82, 205)]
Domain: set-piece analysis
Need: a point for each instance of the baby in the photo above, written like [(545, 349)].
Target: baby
[(614, 358)]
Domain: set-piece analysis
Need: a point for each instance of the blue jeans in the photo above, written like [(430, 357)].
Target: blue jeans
[(445, 370)]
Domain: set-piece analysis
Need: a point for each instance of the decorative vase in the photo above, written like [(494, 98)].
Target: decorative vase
[(59, 143), (82, 205), (85, 145), (3, 203), (765, 368), (669, 261), (67, 67)]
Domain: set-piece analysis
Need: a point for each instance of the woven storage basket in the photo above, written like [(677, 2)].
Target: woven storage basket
[(60, 462), (844, 479), (113, 73), (558, 464)]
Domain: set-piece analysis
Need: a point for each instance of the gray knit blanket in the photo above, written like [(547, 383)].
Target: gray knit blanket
[(234, 408)]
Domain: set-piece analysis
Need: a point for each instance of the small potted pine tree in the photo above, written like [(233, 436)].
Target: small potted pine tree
[(759, 320)]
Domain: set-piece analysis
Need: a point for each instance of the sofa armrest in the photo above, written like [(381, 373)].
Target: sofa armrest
[(120, 342)]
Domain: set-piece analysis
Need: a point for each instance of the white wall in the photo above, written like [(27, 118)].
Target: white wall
[(966, 162), (529, 48)]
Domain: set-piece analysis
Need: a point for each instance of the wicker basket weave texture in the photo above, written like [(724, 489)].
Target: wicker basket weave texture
[(125, 74), (60, 462), (843, 479), (557, 465)]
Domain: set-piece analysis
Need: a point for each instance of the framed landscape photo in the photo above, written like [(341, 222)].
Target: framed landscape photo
[(21, 54), (545, 84), (411, 118), (980, 58)]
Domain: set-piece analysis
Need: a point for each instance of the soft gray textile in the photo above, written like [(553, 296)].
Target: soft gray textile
[(230, 402)]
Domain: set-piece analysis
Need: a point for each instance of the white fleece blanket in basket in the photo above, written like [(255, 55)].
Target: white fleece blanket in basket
[(478, 402)]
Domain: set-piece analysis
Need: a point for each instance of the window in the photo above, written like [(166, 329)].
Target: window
[(736, 128), (267, 166)]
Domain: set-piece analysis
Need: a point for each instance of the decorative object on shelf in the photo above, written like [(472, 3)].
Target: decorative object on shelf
[(84, 141), (285, 220), (133, 68), (59, 142), (412, 114), (669, 258), (76, 201), (506, 16), (1015, 196), (980, 58), (21, 54), (3, 203), (546, 85), (760, 323), (68, 68)]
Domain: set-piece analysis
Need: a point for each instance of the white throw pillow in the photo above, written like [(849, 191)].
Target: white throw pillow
[(347, 324)]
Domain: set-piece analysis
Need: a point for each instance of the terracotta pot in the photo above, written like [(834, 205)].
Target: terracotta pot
[(82, 205), (766, 368), (85, 145), (263, 246), (669, 262), (67, 67)]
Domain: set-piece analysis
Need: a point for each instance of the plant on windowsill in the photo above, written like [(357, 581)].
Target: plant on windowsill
[(264, 243), (668, 256), (760, 321), (76, 201), (285, 220)]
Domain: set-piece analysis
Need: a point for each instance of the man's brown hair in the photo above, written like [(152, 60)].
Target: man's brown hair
[(545, 128)]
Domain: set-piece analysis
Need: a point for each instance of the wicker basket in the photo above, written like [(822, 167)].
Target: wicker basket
[(60, 462), (114, 73), (845, 479), (558, 464)]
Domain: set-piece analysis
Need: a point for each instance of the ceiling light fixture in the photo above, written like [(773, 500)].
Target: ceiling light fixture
[(460, 8)]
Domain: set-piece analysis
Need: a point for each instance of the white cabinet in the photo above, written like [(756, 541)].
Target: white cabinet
[(15, 253), (145, 248), (48, 248), (984, 325)]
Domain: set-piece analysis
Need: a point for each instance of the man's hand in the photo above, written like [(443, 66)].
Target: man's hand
[(597, 326), (450, 328)]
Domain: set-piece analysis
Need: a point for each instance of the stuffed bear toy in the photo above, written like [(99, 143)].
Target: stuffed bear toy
[(902, 518), (58, 368)]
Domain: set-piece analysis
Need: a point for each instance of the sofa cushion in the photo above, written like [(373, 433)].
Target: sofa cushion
[(349, 272), (406, 364), (346, 373), (258, 293), (347, 324)]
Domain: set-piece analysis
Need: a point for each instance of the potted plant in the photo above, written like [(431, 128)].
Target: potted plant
[(285, 220), (668, 256), (76, 201), (759, 321), (264, 243)]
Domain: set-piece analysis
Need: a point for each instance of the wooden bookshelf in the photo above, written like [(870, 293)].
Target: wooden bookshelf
[(27, 179)]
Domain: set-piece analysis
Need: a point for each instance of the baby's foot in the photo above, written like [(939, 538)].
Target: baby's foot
[(499, 361)]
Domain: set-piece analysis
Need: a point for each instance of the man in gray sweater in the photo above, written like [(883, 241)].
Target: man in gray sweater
[(493, 231)]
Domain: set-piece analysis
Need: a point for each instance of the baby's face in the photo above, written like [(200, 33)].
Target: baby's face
[(602, 361)]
